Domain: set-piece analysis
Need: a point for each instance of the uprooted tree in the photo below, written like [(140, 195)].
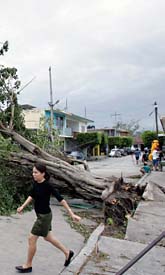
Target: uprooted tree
[(119, 198), (66, 177)]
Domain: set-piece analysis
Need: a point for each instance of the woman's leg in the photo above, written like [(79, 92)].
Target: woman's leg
[(50, 238), (32, 245)]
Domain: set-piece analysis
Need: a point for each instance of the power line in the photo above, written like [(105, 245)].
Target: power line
[(115, 115)]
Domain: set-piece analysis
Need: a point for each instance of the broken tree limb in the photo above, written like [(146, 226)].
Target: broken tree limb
[(79, 182), (36, 150)]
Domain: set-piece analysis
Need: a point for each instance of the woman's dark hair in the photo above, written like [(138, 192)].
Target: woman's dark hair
[(42, 169)]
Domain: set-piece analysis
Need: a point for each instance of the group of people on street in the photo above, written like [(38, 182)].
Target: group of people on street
[(157, 156), (144, 157), (40, 195)]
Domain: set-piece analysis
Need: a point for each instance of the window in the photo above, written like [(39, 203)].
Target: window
[(59, 122)]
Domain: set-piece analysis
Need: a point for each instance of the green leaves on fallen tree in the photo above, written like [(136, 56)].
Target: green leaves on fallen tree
[(7, 146), (14, 186), (41, 137)]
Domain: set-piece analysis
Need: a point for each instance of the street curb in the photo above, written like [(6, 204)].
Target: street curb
[(142, 179), (80, 260)]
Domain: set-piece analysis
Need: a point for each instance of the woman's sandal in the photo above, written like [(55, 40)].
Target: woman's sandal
[(22, 269), (67, 262)]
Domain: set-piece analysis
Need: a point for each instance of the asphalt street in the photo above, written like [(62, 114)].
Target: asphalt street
[(115, 166)]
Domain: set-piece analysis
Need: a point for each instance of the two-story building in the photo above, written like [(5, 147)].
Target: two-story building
[(111, 132), (67, 124)]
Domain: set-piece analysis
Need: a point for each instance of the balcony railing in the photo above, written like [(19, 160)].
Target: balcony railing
[(66, 132)]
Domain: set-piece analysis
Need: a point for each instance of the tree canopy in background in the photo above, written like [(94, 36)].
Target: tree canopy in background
[(119, 142), (132, 126), (148, 137), (10, 111), (93, 139)]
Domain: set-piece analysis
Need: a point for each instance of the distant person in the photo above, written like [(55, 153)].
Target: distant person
[(40, 194), (161, 156), (155, 159), (145, 169), (137, 154), (146, 149), (145, 156)]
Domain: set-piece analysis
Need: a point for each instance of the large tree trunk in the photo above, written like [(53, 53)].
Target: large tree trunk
[(64, 175), (119, 199)]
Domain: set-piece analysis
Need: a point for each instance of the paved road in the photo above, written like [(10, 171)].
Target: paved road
[(13, 243), (114, 166)]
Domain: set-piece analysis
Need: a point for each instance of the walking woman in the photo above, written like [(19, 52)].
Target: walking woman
[(40, 194)]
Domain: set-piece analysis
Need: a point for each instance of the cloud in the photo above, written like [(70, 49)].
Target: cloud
[(107, 56)]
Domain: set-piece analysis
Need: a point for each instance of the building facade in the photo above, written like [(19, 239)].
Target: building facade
[(111, 132), (67, 124)]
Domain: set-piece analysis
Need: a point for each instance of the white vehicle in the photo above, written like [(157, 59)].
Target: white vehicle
[(133, 149), (115, 153)]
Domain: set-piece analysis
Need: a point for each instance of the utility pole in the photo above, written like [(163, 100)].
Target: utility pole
[(51, 107), (51, 104), (66, 106), (156, 117), (85, 111), (115, 115)]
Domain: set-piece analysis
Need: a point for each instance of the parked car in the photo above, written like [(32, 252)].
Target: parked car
[(128, 150), (77, 155), (115, 153), (123, 152)]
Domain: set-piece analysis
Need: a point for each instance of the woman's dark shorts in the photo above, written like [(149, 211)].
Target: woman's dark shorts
[(42, 225)]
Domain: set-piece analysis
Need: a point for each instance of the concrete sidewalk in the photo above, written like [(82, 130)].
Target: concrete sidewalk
[(149, 219), (111, 254), (48, 260)]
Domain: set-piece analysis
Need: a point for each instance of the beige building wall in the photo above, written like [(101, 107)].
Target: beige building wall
[(32, 118)]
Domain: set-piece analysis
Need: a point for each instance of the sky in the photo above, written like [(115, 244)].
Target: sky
[(107, 56)]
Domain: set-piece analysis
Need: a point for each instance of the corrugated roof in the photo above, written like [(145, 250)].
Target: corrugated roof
[(27, 107)]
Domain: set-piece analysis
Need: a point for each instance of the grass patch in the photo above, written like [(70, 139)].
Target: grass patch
[(135, 176), (84, 230)]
